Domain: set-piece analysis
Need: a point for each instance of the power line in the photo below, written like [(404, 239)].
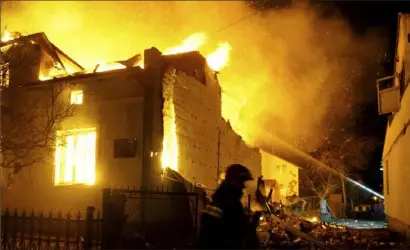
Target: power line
[(236, 22)]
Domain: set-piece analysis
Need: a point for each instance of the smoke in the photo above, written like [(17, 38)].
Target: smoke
[(290, 69)]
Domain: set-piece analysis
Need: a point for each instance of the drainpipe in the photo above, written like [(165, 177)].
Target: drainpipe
[(152, 143)]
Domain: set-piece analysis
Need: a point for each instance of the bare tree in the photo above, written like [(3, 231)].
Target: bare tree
[(320, 181), (343, 160), (28, 132), (30, 116)]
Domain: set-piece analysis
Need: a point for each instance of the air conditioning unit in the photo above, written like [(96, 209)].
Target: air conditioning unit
[(388, 95)]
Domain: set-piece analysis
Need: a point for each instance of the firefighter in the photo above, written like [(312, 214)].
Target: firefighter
[(224, 224), (325, 212)]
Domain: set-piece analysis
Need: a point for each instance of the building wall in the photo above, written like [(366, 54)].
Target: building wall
[(196, 115), (197, 99), (128, 105), (234, 150), (112, 104), (285, 173), (25, 58), (396, 157)]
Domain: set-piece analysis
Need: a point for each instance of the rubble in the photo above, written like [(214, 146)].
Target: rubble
[(343, 234)]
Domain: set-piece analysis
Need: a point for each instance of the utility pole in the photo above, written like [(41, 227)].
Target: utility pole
[(219, 152)]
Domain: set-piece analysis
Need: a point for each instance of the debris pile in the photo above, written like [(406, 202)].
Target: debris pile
[(337, 236)]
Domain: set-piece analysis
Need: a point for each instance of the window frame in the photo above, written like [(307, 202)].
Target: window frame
[(119, 140), (75, 131), (73, 99)]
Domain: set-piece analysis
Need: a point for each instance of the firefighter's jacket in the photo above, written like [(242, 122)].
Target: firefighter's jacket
[(224, 223)]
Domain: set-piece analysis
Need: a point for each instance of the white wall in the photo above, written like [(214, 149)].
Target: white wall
[(285, 173), (115, 114), (396, 153)]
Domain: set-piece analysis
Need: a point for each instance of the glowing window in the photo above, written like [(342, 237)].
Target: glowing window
[(76, 97), (75, 157)]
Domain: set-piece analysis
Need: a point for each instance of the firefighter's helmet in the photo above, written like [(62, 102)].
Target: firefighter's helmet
[(238, 172)]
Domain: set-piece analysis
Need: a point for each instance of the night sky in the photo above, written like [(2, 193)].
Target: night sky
[(362, 17)]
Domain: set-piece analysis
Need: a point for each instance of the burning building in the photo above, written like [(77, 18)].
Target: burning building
[(119, 124), (393, 98)]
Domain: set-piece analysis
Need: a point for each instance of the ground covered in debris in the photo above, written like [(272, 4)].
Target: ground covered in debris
[(342, 234)]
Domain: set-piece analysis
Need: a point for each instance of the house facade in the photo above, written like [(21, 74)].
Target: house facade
[(394, 101), (282, 174), (124, 129)]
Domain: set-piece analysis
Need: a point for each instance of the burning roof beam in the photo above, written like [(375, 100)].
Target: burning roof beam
[(69, 58), (131, 62), (42, 40)]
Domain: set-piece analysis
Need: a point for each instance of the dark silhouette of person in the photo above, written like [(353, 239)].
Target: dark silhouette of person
[(224, 224)]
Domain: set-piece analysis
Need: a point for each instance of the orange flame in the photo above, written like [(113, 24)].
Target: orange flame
[(192, 43), (109, 66), (216, 61), (219, 59), (6, 36)]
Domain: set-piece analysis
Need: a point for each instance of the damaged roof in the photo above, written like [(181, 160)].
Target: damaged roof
[(55, 53)]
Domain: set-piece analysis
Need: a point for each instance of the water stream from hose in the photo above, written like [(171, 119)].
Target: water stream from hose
[(285, 148)]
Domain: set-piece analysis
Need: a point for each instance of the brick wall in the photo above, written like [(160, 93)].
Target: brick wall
[(234, 150), (25, 63), (197, 113), (199, 121)]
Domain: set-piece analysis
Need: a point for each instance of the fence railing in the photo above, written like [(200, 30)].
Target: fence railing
[(312, 205), (161, 216), (166, 217), (30, 230)]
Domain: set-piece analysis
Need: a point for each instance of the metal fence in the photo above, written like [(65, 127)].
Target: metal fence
[(312, 205), (130, 218), (22, 230), (163, 217)]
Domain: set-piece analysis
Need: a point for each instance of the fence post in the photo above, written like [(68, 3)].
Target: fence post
[(106, 198), (88, 241), (4, 237), (204, 199), (196, 225)]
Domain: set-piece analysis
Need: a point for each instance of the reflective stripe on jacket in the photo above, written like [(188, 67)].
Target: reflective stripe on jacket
[(213, 211)]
